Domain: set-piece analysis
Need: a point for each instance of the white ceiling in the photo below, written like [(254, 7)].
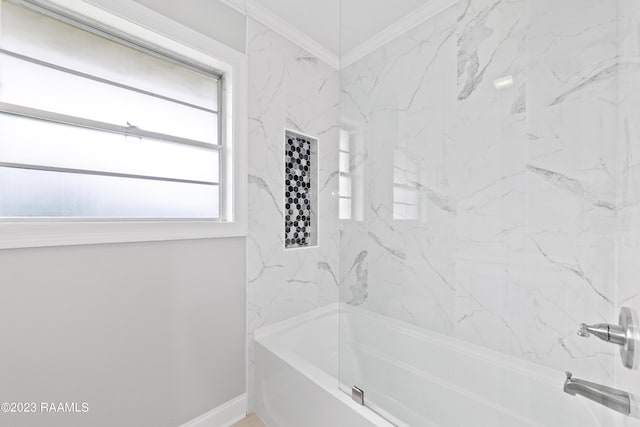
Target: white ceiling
[(361, 19)]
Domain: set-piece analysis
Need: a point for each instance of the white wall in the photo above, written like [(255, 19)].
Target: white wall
[(514, 244), (148, 334)]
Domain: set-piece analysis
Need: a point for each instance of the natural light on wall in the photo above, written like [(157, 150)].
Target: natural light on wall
[(405, 186), (351, 154), (91, 127), (344, 181)]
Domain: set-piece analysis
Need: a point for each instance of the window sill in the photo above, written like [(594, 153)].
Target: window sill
[(30, 234)]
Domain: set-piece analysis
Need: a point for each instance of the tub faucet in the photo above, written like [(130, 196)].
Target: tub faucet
[(612, 398), (610, 333), (626, 335)]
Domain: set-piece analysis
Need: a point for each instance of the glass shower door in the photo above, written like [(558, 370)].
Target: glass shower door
[(490, 204)]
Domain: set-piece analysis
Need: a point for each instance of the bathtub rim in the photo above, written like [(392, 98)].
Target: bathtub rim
[(537, 372), (267, 337)]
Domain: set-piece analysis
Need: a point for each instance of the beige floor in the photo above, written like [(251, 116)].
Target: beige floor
[(251, 421)]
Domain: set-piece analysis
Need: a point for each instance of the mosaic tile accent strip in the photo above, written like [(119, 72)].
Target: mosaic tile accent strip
[(298, 193)]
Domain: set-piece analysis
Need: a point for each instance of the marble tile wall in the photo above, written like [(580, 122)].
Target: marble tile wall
[(520, 194), (288, 88), (397, 99), (628, 176)]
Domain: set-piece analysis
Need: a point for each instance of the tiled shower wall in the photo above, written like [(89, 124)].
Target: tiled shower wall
[(628, 201), (524, 194), (288, 88)]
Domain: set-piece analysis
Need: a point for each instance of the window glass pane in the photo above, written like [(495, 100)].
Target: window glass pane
[(344, 208), (399, 195), (405, 195), (399, 176), (399, 211), (35, 86), (344, 140), (39, 36), (31, 141), (411, 196), (344, 186), (178, 102), (344, 162), (28, 193)]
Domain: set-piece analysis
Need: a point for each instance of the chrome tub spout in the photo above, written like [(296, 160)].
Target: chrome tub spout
[(612, 398)]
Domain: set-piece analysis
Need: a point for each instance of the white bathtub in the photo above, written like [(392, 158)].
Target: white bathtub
[(296, 371), (420, 378)]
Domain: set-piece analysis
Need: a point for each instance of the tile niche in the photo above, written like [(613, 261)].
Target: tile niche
[(301, 194)]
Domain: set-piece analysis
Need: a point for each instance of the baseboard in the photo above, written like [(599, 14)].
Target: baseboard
[(224, 415)]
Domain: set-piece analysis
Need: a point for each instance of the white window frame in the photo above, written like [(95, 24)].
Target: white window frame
[(132, 19)]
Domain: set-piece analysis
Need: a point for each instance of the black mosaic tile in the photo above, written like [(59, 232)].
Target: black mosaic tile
[(298, 189)]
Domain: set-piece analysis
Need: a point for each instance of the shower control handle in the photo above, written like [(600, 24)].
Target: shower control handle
[(610, 333), (626, 335)]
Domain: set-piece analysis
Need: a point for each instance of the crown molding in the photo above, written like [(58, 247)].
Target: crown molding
[(265, 16), (402, 26), (237, 5), (262, 14)]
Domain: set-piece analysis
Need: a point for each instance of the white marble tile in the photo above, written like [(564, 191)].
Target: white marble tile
[(288, 88), (519, 189), (398, 97), (628, 176), (528, 197)]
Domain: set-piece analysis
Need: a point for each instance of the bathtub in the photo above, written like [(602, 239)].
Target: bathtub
[(296, 375), (411, 377)]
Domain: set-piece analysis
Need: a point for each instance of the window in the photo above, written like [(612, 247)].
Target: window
[(94, 125), (345, 200), (351, 163), (405, 186), (118, 125)]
